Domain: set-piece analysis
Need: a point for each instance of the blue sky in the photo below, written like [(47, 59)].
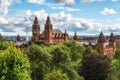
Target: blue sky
[(87, 17)]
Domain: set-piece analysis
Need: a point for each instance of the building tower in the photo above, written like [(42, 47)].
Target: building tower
[(18, 38), (27, 35), (112, 43), (75, 37), (35, 30), (48, 31), (101, 42), (65, 36), (111, 39)]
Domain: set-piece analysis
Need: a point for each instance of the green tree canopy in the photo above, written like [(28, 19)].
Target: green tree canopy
[(60, 55), (95, 67), (14, 65), (117, 53), (40, 60), (76, 50), (88, 50), (56, 75), (3, 45)]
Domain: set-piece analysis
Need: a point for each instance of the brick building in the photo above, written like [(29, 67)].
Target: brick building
[(49, 35), (107, 48)]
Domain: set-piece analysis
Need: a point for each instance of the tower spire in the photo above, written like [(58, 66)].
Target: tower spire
[(48, 21), (27, 34), (36, 20), (75, 33), (65, 31), (35, 30)]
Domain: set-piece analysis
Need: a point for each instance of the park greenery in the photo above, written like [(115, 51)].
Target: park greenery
[(64, 61)]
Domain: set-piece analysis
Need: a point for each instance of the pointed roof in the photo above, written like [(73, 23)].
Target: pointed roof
[(101, 38), (101, 33), (48, 19), (75, 34), (18, 36), (112, 38), (111, 34), (65, 31), (35, 20)]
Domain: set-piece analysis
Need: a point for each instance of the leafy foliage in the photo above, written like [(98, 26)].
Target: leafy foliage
[(3, 45), (88, 50), (117, 53), (40, 61), (56, 75), (76, 50), (14, 65), (95, 67), (60, 55)]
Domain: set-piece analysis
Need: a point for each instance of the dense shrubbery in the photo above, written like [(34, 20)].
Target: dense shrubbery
[(64, 61), (14, 65)]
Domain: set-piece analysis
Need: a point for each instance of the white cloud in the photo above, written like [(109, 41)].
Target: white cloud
[(90, 1), (114, 0), (5, 4), (72, 9), (17, 24), (69, 9), (36, 1), (3, 20), (108, 11), (66, 2)]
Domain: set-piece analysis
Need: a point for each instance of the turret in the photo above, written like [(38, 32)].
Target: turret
[(101, 42), (65, 36), (48, 31), (35, 30), (111, 39), (112, 42), (18, 38), (75, 37), (101, 38)]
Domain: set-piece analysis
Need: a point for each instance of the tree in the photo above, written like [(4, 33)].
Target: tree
[(76, 50), (40, 43), (56, 75), (115, 73), (14, 65), (3, 45), (98, 49), (1, 37), (71, 72), (88, 50), (60, 55), (40, 61), (117, 53), (95, 67)]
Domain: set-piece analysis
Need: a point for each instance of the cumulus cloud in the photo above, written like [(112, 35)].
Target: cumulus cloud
[(3, 20), (108, 11), (5, 4), (36, 1), (17, 24), (69, 9), (66, 2), (90, 1)]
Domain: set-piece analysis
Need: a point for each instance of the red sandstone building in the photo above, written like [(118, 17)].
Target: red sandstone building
[(49, 35), (109, 48)]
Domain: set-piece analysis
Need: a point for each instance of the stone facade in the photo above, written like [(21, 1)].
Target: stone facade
[(49, 35), (109, 48)]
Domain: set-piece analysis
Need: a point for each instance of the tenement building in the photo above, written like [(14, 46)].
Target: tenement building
[(49, 35)]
